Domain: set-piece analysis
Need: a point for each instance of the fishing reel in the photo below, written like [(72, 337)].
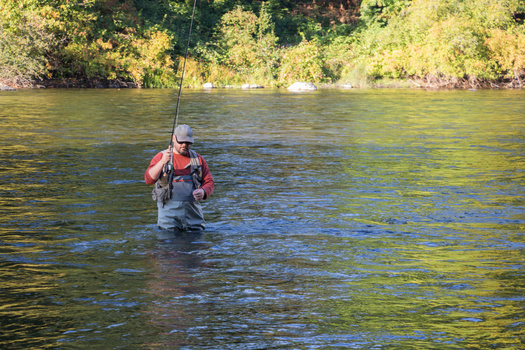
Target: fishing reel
[(167, 168)]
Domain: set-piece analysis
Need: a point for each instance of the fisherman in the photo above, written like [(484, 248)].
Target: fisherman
[(182, 179)]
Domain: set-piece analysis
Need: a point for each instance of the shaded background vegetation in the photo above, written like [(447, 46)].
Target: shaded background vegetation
[(439, 43)]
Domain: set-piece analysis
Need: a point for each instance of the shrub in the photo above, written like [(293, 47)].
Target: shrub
[(446, 39), (508, 51), (303, 62), (337, 56), (247, 44), (24, 41), (102, 40)]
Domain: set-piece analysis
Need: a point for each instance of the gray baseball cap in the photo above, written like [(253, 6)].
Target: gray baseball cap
[(183, 133)]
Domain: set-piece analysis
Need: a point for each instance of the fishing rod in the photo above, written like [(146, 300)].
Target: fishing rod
[(167, 169), (175, 121)]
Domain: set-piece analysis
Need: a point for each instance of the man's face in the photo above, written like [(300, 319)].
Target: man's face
[(181, 148)]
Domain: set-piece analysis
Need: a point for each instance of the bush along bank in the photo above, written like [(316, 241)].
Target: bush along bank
[(119, 44)]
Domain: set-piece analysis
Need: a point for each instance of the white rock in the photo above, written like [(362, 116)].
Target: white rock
[(252, 86), (301, 86), (208, 86)]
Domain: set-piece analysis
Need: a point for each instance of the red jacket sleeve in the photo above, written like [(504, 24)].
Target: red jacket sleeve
[(154, 161), (208, 185)]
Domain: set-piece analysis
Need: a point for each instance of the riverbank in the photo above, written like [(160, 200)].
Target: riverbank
[(426, 83)]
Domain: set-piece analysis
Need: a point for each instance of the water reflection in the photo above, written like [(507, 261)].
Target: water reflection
[(176, 263), (349, 219)]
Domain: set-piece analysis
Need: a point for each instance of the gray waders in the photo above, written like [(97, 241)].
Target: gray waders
[(180, 211)]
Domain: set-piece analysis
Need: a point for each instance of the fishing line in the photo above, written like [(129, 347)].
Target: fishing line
[(182, 76)]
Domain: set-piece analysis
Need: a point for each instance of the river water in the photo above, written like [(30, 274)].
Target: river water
[(341, 219)]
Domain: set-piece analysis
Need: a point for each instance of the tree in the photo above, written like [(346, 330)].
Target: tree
[(24, 41), (247, 43)]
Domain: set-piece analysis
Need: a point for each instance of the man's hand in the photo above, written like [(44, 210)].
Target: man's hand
[(166, 156), (199, 194)]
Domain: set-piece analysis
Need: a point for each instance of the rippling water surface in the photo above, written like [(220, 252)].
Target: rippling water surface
[(362, 219)]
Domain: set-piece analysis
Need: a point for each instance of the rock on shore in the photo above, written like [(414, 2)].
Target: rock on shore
[(301, 86), (252, 86)]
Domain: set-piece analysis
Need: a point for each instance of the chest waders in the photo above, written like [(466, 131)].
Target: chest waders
[(180, 211)]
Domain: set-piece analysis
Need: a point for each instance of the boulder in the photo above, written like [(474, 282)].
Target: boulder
[(301, 86), (7, 88), (208, 86), (347, 86), (252, 86)]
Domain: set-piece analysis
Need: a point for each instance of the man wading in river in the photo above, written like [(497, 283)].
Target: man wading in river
[(182, 179)]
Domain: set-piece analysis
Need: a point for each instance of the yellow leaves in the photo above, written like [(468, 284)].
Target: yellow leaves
[(153, 49), (84, 40), (158, 42), (24, 41), (507, 48), (148, 55), (104, 45), (302, 63), (131, 55), (386, 63), (248, 43), (478, 67), (448, 38)]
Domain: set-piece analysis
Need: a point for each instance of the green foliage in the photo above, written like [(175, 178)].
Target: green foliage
[(106, 41), (247, 44), (100, 40), (302, 63), (24, 40), (379, 12), (248, 53), (355, 75), (445, 39), (507, 50), (271, 42), (337, 56)]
